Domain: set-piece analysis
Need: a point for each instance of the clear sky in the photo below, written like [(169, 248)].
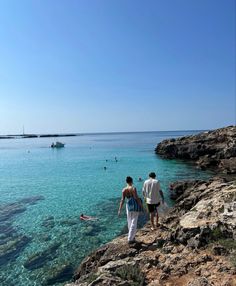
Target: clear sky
[(116, 65)]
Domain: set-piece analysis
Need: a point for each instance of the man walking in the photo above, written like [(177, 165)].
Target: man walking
[(153, 196)]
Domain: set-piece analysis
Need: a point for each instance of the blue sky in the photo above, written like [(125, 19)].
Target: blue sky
[(120, 65)]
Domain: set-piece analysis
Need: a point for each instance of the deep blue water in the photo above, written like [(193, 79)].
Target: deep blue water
[(60, 184)]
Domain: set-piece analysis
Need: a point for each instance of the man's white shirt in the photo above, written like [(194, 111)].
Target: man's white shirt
[(151, 191)]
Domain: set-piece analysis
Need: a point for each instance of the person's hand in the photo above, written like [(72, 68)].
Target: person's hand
[(118, 212)]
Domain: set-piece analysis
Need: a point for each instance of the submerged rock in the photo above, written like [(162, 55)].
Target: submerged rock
[(32, 200), (12, 243), (48, 222), (59, 274), (44, 237), (69, 222), (92, 229), (38, 260), (7, 232), (10, 250), (8, 211)]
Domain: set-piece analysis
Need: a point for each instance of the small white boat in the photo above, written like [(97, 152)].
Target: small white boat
[(57, 145)]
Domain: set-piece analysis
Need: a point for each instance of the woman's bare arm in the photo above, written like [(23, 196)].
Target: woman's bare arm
[(162, 196), (121, 202)]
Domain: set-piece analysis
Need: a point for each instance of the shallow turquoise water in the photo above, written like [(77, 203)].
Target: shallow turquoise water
[(71, 181)]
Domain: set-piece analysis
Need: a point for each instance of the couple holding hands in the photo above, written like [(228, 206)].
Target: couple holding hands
[(153, 196)]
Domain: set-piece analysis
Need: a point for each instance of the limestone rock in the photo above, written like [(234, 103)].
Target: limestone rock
[(212, 149)]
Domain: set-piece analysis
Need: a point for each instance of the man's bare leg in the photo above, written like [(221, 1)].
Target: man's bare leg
[(152, 220), (157, 218)]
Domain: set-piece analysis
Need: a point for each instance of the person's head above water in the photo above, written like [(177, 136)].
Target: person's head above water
[(152, 175), (82, 215), (129, 180)]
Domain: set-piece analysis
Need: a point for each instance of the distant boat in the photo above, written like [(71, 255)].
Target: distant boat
[(57, 145)]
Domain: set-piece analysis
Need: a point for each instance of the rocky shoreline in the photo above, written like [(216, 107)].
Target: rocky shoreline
[(211, 149), (195, 244)]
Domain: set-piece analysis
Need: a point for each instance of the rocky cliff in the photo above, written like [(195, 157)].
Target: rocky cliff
[(212, 149), (194, 245)]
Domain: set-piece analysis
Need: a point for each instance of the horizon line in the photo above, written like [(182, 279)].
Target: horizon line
[(104, 132), (109, 132)]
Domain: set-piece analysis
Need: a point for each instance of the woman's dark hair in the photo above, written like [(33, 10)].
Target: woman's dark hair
[(129, 180)]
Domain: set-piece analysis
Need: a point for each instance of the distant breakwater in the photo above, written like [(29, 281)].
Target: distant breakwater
[(23, 136)]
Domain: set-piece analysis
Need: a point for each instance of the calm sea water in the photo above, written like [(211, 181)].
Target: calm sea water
[(44, 191)]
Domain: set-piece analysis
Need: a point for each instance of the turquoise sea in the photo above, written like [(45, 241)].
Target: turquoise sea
[(43, 191)]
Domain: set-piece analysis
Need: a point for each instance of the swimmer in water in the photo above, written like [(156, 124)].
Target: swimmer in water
[(86, 217)]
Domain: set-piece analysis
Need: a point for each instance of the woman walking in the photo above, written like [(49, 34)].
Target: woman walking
[(133, 207)]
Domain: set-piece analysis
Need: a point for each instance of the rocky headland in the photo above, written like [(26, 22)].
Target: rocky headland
[(211, 149), (195, 244)]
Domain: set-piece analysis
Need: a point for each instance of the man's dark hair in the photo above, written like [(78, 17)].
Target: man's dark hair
[(152, 175), (129, 180)]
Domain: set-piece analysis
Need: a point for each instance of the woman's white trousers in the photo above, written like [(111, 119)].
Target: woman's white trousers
[(132, 219)]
